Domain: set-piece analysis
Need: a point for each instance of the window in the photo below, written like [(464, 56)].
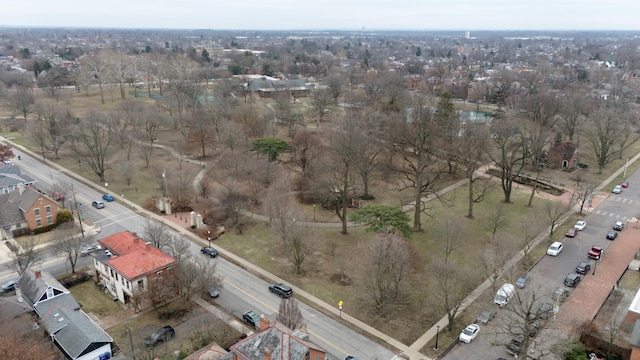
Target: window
[(159, 273), (140, 284), (49, 220), (36, 212), (47, 209), (40, 201), (170, 271), (38, 222)]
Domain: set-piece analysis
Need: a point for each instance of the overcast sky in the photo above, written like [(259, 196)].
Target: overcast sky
[(326, 14)]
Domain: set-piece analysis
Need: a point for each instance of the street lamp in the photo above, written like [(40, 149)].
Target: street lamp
[(209, 237), (314, 212), (437, 333), (106, 185)]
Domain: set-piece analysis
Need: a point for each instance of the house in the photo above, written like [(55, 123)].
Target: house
[(209, 352), (25, 208), (10, 178), (134, 271), (275, 341), (72, 331), (563, 155)]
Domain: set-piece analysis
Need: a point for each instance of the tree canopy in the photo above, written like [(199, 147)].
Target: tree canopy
[(382, 218), (271, 147)]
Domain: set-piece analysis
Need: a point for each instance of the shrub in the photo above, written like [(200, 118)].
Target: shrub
[(64, 216)]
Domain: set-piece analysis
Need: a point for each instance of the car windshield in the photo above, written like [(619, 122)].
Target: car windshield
[(554, 247), (468, 331)]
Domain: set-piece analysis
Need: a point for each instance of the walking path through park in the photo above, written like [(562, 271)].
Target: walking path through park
[(412, 351)]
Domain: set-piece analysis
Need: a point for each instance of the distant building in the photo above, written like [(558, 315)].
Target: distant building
[(71, 330), (563, 155), (133, 270)]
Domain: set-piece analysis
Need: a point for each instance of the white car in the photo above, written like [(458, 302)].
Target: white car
[(580, 225), (469, 333), (617, 189), (554, 249)]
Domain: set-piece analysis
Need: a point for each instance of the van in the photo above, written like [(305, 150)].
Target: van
[(504, 294)]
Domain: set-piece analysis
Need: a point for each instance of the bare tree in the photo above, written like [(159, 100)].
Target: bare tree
[(497, 221), (157, 234), (453, 233), (55, 119), (180, 188), (509, 151), (336, 84), (471, 152), (92, 141), (290, 315), (603, 131), (25, 257), (320, 100), (178, 248), (415, 144), (22, 100), (449, 285), (552, 213), (68, 242), (383, 264)]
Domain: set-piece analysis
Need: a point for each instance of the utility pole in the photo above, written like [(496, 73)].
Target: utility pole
[(77, 209), (164, 178)]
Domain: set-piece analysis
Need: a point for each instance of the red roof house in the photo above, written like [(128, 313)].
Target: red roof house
[(133, 270)]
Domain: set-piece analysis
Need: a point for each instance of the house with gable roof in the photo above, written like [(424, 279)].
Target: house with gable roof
[(275, 341), (71, 330), (131, 268), (25, 207)]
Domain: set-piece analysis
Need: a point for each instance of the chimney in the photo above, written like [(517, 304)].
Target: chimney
[(38, 274), (20, 188), (267, 353), (264, 322)]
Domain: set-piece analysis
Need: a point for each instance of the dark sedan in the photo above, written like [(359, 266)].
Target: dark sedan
[(583, 267), (210, 251), (612, 235)]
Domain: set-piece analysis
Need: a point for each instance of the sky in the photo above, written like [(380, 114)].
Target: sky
[(325, 14)]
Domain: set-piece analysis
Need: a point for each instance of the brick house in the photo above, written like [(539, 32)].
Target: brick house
[(134, 271), (25, 207), (275, 341)]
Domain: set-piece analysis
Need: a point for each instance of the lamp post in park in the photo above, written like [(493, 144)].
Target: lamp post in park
[(340, 303), (209, 237), (437, 334), (314, 212), (106, 185)]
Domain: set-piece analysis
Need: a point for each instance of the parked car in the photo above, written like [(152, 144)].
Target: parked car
[(571, 232), (617, 189), (580, 225), (515, 346), (543, 312), (163, 334), (612, 235), (108, 197), (522, 281), (561, 294), (9, 286), (624, 184), (281, 290), (350, 358), (97, 204), (214, 293), (595, 252), (618, 226), (554, 249), (209, 250), (251, 318), (89, 249), (58, 196), (572, 280), (469, 333), (486, 315), (583, 267)]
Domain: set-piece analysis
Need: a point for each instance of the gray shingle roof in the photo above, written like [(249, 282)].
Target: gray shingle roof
[(60, 313), (34, 289)]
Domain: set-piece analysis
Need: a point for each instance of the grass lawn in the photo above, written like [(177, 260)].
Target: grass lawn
[(94, 300)]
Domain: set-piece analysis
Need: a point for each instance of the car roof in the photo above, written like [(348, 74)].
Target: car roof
[(556, 243)]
